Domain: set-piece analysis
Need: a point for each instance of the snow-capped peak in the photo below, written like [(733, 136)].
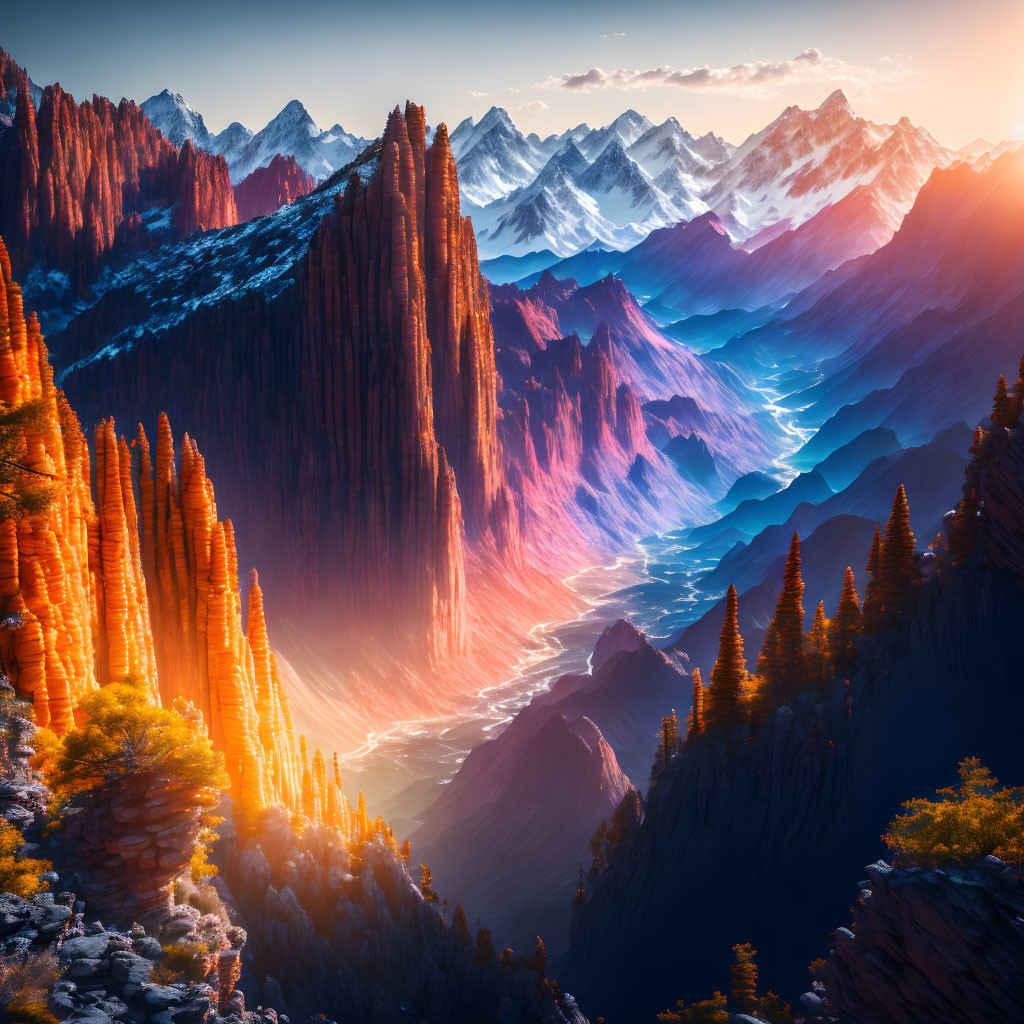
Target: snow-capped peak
[(293, 117), (806, 160), (627, 128), (176, 120), (836, 101)]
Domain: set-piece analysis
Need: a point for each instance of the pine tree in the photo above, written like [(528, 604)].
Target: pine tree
[(427, 885), (581, 893), (724, 707), (538, 959), (744, 978), (898, 573), (506, 961), (963, 531), (460, 926), (845, 627), (1018, 393), (484, 946), (625, 819), (406, 852), (597, 842), (872, 611), (768, 655), (819, 659), (695, 723), (669, 744), (781, 666), (978, 444), (1002, 407)]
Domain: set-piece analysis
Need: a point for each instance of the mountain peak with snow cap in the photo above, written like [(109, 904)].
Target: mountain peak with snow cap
[(171, 115), (835, 101)]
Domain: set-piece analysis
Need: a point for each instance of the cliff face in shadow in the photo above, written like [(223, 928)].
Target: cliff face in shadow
[(344, 932), (360, 367), (733, 842), (269, 188)]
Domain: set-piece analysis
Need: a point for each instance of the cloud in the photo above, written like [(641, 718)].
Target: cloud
[(476, 95), (532, 107), (752, 77), (613, 35)]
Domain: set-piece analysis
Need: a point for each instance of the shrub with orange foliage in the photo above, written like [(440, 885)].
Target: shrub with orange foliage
[(972, 821), (708, 1011), (19, 876)]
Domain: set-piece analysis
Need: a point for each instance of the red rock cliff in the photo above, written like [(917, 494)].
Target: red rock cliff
[(269, 188), (369, 389), (76, 179)]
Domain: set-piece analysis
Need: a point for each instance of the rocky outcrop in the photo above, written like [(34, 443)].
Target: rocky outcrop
[(131, 839), (927, 945), (269, 188), (399, 493), (186, 968), (78, 181)]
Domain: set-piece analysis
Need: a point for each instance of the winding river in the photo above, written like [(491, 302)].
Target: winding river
[(656, 586)]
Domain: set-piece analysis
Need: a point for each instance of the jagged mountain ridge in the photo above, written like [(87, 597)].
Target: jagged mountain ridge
[(171, 115), (272, 279), (797, 167), (291, 133), (143, 585), (505, 835), (910, 337), (805, 160), (406, 503), (154, 321), (655, 368), (527, 193)]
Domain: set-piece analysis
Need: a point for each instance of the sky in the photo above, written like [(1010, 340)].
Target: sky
[(728, 66)]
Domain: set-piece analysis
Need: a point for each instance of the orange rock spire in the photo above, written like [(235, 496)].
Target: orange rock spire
[(94, 590)]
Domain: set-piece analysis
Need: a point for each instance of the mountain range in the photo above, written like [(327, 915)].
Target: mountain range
[(609, 187), (292, 132), (701, 355)]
